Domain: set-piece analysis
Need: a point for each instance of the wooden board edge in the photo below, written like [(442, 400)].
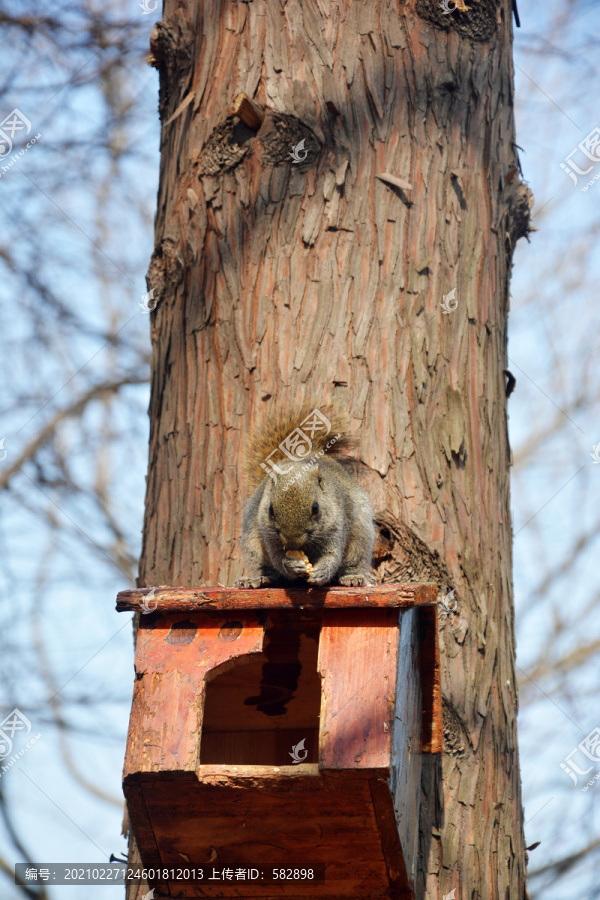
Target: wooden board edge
[(391, 846), (357, 774), (140, 822), (431, 684), (168, 599)]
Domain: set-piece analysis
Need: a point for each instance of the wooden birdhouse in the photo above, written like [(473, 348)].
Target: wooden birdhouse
[(282, 730)]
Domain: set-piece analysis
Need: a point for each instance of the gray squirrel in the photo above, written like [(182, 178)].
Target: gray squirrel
[(306, 521)]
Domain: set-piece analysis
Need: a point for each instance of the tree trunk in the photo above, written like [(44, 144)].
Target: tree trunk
[(280, 280)]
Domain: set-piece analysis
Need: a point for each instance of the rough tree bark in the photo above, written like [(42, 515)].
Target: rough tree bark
[(277, 281)]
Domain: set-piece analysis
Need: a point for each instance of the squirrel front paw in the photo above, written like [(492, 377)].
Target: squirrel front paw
[(295, 568), (355, 580), (296, 564), (319, 577), (261, 581)]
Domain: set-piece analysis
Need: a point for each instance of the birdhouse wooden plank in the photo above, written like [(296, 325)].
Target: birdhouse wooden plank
[(173, 656), (282, 729), (370, 642)]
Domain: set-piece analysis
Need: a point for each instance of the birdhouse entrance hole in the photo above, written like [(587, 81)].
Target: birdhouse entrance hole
[(258, 708)]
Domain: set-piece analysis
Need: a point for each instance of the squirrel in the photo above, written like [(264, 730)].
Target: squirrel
[(308, 519)]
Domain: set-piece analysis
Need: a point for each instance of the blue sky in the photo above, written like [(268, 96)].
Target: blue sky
[(65, 593)]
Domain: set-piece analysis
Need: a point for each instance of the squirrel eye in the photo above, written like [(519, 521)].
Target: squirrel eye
[(315, 508), (271, 513)]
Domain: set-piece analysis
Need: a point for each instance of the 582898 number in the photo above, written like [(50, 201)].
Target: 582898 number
[(293, 874)]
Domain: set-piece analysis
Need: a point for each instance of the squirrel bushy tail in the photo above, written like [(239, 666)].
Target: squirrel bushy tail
[(283, 423)]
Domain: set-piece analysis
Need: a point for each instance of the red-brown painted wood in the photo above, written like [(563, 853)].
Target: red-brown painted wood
[(358, 658), (353, 805), (171, 599), (173, 657)]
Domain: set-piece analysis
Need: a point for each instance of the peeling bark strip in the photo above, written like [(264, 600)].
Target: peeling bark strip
[(281, 281), (248, 111)]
